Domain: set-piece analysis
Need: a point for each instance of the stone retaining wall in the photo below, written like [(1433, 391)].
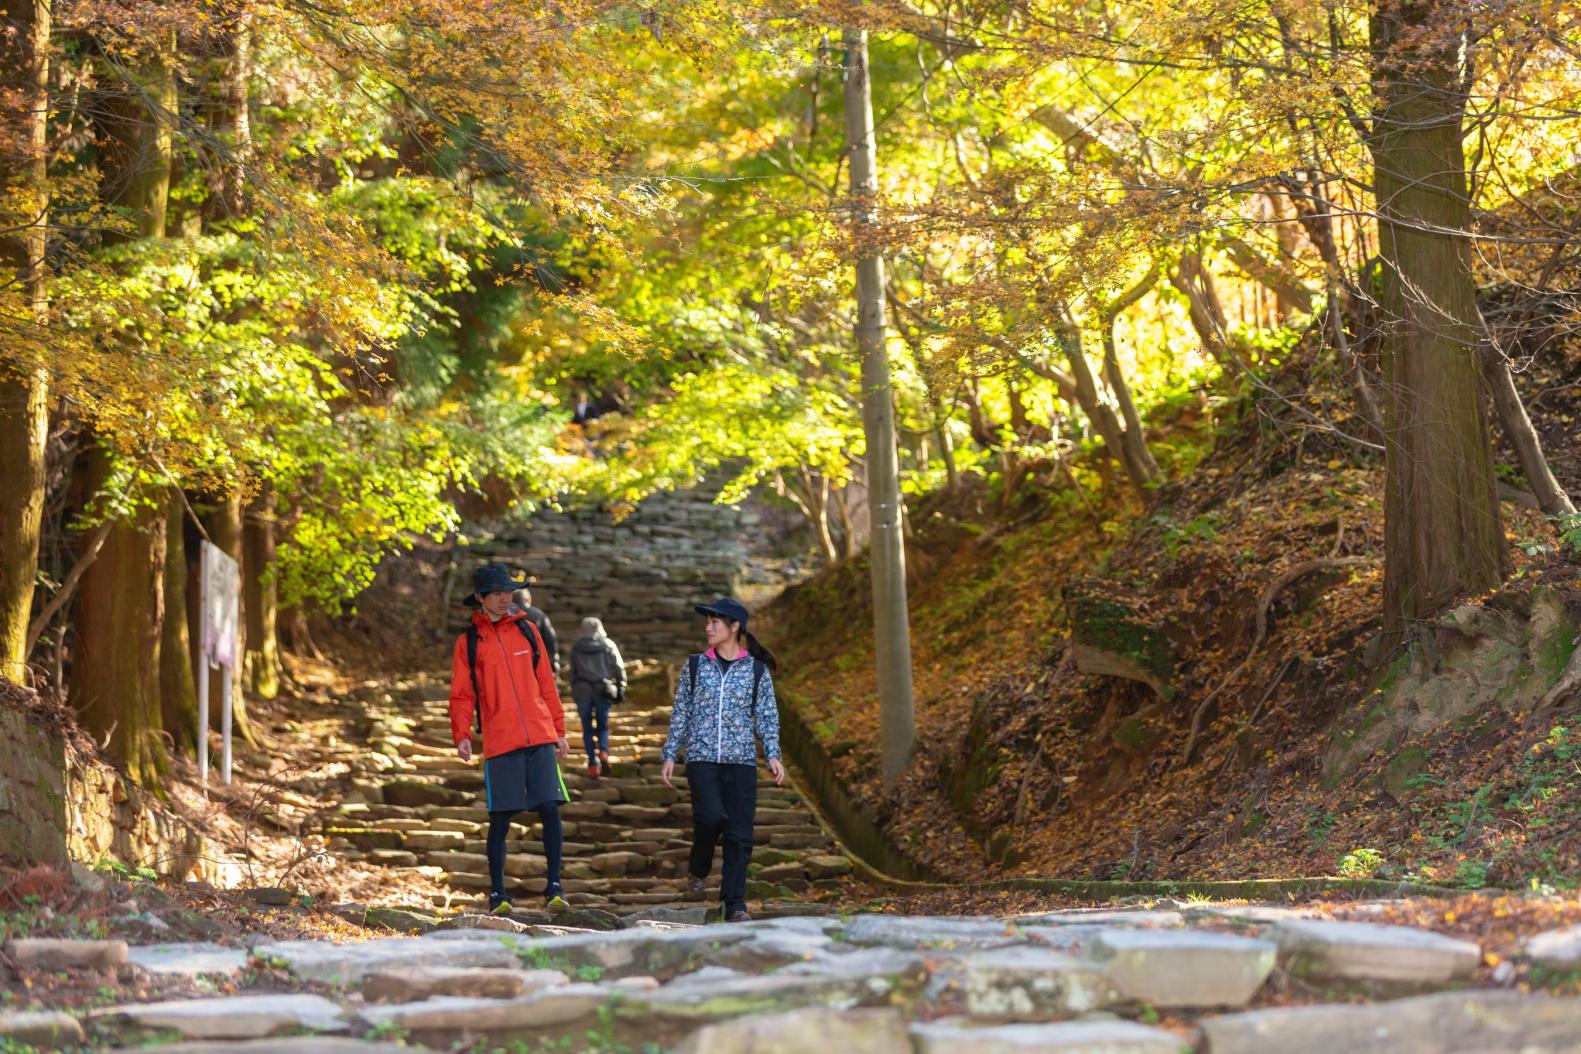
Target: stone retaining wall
[(56, 806), (640, 575)]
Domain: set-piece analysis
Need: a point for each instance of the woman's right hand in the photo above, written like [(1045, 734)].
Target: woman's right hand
[(667, 772), (464, 748)]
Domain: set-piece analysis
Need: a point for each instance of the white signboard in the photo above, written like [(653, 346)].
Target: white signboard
[(219, 629), (220, 585)]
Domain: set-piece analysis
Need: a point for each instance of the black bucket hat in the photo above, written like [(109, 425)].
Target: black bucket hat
[(726, 608), (492, 578)]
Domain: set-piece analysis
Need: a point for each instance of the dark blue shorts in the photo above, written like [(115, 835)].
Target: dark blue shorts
[(523, 779)]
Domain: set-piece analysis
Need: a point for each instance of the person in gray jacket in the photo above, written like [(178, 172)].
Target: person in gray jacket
[(724, 704), (598, 681)]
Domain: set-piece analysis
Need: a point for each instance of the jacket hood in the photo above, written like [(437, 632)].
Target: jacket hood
[(592, 629)]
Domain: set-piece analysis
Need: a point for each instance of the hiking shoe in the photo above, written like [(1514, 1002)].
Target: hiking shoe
[(694, 885), (554, 899), (594, 770), (738, 915), (498, 905), (603, 763)]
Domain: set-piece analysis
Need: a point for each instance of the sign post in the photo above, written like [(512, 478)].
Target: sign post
[(220, 585)]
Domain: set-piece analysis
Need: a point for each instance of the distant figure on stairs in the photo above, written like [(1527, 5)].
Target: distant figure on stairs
[(724, 703), (501, 676), (598, 681), (521, 600)]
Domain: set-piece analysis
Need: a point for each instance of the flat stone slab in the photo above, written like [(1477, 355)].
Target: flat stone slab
[(912, 931), (349, 963), (1025, 983), (1070, 1037), (1183, 968), (55, 953), (484, 982), (853, 980), (621, 953), (1473, 1022), (1161, 919), (188, 960), (282, 1045), (1556, 949), (39, 1028), (767, 950), (1366, 951), (810, 1030), (235, 1017), (553, 1006)]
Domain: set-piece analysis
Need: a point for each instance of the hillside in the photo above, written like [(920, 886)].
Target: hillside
[(1255, 581)]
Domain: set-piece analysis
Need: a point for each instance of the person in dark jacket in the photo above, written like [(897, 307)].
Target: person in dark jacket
[(598, 681), (521, 600), (498, 671), (724, 704)]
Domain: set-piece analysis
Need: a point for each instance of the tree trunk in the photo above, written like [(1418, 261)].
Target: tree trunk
[(1551, 497), (178, 693), (891, 626), (226, 113), (1100, 413), (849, 545), (224, 526), (1202, 305), (24, 392), (119, 624), (261, 662), (1138, 458), (1442, 535)]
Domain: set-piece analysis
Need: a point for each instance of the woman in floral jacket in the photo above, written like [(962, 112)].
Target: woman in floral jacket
[(724, 704)]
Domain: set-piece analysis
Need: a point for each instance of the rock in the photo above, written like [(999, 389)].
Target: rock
[(1471, 1022), (1162, 919), (412, 792), (910, 931), (644, 815), (87, 877), (552, 1006), (407, 986), (1033, 983), (188, 960), (1110, 639), (1364, 951), (812, 1030), (350, 962), (682, 916), (757, 890), (1556, 949), (427, 840), (402, 919), (53, 953), (768, 950), (636, 984), (824, 865), (497, 923), (392, 857), (618, 863), (837, 983), (779, 872), (1184, 968), (235, 1017), (641, 950), (1069, 1037), (768, 857), (283, 1045), (38, 1028), (273, 896)]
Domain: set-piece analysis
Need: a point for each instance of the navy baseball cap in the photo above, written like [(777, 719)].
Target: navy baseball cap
[(726, 608)]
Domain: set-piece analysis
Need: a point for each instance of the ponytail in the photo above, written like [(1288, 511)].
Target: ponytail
[(756, 649)]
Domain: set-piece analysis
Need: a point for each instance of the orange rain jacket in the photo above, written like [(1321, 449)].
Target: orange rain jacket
[(521, 706)]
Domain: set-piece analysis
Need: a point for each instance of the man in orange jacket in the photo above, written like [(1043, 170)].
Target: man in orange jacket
[(501, 672)]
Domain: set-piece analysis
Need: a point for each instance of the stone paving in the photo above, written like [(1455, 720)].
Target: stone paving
[(416, 806), (1176, 978)]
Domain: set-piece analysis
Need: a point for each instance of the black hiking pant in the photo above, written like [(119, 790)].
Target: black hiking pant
[(724, 800)]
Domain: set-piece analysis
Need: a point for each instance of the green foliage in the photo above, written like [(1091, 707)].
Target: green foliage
[(1361, 863)]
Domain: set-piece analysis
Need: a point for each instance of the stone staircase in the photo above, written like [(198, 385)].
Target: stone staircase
[(415, 806)]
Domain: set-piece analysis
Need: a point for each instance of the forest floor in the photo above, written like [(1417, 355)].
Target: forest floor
[(1082, 776)]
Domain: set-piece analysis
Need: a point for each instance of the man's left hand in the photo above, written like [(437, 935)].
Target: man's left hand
[(563, 748), (778, 770)]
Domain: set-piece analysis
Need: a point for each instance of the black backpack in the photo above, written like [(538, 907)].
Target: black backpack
[(758, 668), (472, 663)]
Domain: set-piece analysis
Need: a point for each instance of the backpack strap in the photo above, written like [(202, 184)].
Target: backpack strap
[(532, 640), (691, 677), (472, 667)]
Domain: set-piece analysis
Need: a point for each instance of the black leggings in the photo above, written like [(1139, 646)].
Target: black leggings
[(499, 830)]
